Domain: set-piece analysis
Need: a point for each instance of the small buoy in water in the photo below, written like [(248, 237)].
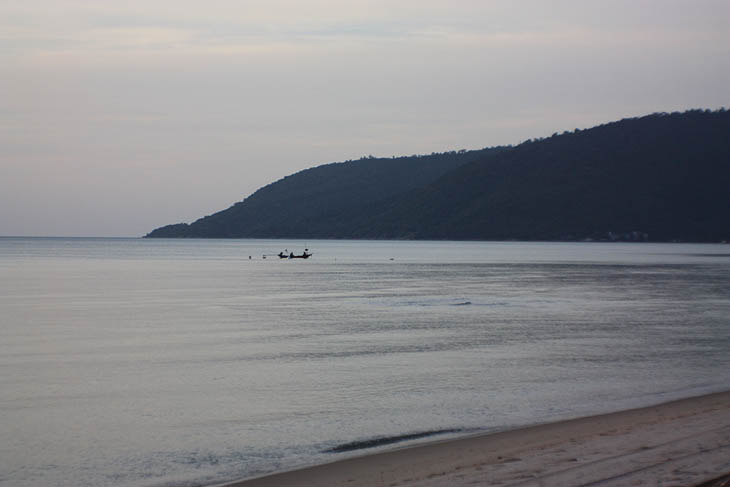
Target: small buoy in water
[(392, 258)]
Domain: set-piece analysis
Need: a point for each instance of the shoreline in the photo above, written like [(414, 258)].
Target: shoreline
[(683, 442)]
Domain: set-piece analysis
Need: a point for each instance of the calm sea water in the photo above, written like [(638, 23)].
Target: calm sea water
[(128, 362)]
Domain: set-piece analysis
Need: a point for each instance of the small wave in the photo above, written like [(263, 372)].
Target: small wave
[(387, 440), (707, 255), (430, 303)]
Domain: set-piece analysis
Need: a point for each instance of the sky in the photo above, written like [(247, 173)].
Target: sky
[(120, 117)]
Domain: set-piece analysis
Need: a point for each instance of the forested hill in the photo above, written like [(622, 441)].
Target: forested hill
[(324, 200), (660, 177), (665, 175)]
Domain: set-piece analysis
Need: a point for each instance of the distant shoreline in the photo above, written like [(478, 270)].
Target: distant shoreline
[(336, 239), (586, 240), (682, 442)]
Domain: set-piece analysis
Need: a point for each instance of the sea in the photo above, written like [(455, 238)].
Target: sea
[(180, 363)]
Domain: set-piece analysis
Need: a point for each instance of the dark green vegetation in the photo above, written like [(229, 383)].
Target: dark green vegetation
[(325, 201), (660, 177)]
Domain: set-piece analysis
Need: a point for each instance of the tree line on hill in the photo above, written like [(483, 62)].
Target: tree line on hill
[(661, 177)]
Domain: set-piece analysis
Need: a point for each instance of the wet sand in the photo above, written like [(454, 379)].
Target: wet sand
[(680, 443)]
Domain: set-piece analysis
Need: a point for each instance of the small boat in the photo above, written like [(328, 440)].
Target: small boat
[(291, 255)]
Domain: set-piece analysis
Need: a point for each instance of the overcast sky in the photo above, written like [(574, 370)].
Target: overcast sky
[(119, 117)]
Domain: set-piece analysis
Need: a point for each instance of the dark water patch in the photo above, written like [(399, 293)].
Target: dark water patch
[(707, 255), (441, 303), (388, 440)]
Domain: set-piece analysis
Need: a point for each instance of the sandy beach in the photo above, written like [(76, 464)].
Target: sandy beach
[(679, 443)]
